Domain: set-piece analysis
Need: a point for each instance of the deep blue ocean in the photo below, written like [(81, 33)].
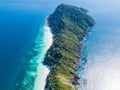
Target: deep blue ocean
[(22, 21)]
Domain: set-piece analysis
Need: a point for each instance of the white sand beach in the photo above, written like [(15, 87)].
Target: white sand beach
[(43, 71)]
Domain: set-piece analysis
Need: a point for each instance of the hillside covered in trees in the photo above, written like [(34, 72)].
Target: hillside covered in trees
[(69, 26)]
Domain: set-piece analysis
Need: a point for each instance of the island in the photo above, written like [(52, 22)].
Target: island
[(69, 25)]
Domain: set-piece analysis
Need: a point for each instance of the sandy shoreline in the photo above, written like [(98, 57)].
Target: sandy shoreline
[(43, 71)]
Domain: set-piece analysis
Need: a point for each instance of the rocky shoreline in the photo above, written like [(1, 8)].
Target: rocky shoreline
[(76, 79)]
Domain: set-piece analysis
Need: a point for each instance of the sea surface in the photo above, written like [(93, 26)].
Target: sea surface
[(19, 28), (100, 67), (22, 43)]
